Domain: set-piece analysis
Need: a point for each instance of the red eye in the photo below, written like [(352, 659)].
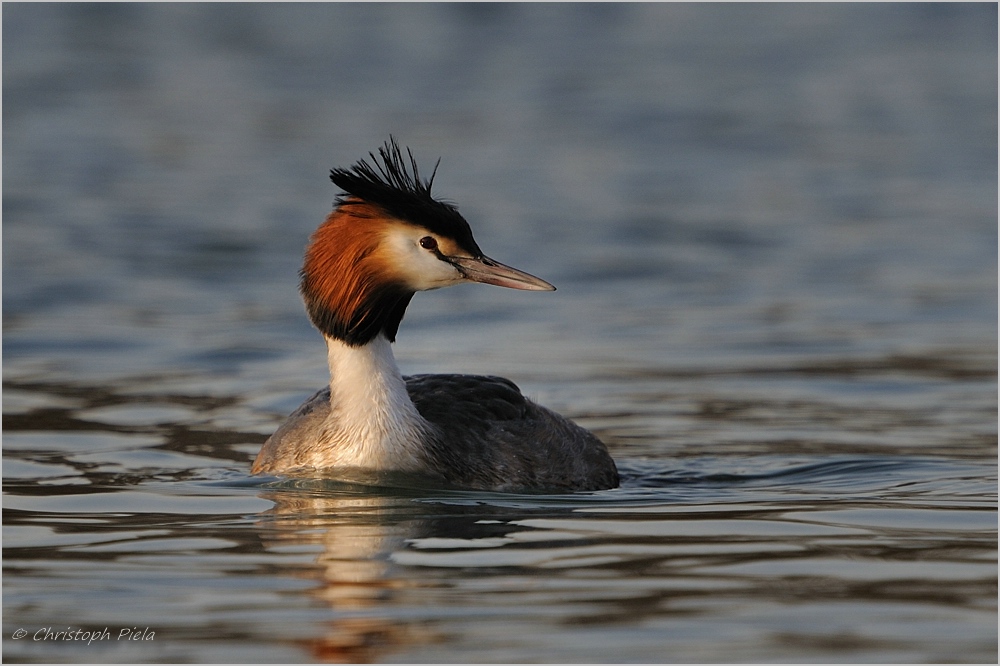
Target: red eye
[(428, 243)]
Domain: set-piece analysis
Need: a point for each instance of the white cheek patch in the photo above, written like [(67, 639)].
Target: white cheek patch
[(417, 267)]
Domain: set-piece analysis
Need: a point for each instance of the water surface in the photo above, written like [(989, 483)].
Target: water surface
[(773, 230)]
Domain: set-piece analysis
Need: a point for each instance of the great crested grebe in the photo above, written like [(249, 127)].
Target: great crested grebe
[(386, 239)]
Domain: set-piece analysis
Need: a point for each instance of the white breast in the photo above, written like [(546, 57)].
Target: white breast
[(373, 424)]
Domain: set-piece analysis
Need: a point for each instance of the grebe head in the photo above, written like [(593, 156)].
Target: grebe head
[(386, 239)]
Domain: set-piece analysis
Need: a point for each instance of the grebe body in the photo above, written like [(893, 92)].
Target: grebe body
[(387, 239)]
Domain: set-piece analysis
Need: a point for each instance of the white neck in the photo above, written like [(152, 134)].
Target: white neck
[(373, 423)]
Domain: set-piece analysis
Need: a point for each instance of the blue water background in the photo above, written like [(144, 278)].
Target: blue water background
[(773, 229)]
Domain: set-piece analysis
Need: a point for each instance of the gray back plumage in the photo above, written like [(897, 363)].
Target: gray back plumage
[(486, 435)]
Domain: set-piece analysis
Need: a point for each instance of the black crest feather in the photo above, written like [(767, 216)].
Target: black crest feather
[(395, 186)]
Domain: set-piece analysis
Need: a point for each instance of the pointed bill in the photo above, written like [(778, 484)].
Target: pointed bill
[(488, 271)]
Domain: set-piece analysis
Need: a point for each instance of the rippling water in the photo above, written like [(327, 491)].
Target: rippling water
[(774, 233)]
